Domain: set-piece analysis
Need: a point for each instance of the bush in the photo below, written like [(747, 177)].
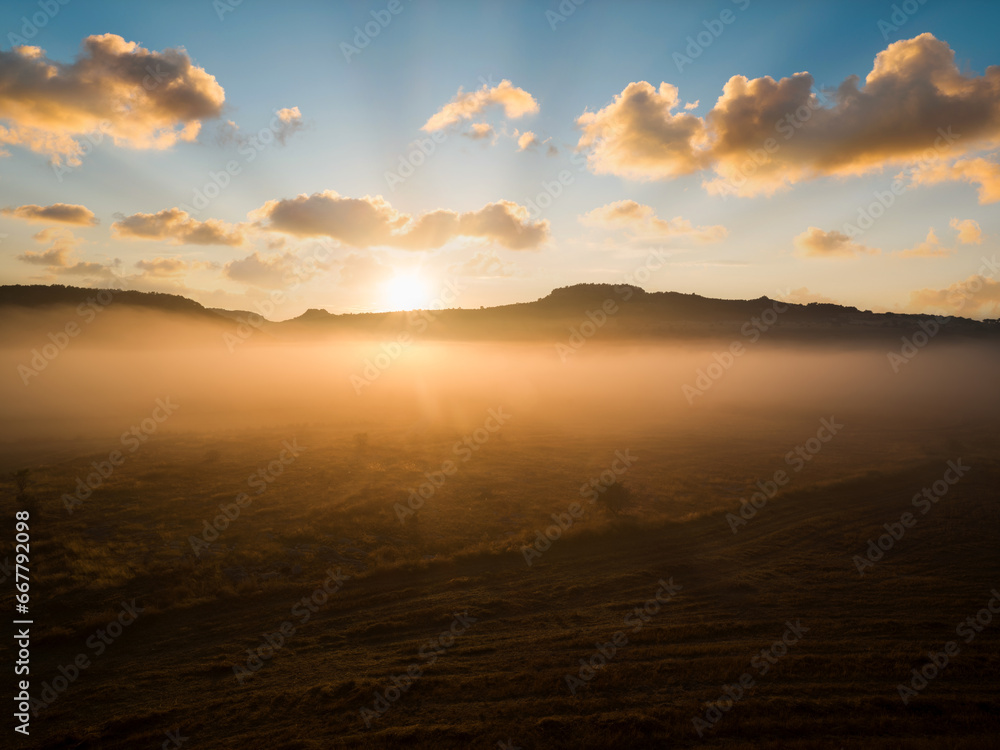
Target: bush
[(616, 499)]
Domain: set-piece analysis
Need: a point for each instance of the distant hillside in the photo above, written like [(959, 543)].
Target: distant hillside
[(42, 295), (605, 310)]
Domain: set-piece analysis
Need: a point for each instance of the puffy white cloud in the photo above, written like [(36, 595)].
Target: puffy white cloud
[(141, 99), (764, 134), (372, 221)]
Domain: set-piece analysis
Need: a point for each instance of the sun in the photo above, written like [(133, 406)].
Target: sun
[(405, 291)]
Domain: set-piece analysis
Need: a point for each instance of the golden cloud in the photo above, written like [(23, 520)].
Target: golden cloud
[(63, 213), (930, 248), (56, 257), (168, 267), (141, 99), (265, 272), (175, 224), (372, 221), (916, 105), (515, 102), (526, 140), (641, 221), (978, 296), (815, 243), (980, 171), (969, 232), (480, 131)]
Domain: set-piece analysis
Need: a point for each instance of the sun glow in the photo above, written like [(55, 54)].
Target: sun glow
[(405, 291)]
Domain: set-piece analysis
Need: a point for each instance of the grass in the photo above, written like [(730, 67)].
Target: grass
[(505, 678)]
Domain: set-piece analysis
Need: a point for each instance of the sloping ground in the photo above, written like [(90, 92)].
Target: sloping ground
[(504, 678)]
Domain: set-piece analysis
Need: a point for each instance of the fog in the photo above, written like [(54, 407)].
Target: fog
[(110, 375)]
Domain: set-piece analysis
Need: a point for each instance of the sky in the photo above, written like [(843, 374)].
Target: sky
[(403, 154)]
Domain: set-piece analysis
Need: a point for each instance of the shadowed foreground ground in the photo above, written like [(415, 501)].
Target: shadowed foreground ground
[(504, 678)]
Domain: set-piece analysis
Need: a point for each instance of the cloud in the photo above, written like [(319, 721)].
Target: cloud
[(479, 131), (815, 243), (169, 267), (363, 271), (639, 136), (967, 233), (484, 264), (466, 105), (527, 140), (976, 296), (930, 248), (268, 273), (968, 230), (141, 99), (641, 221), (980, 171), (289, 123), (56, 258), (802, 296), (57, 254), (692, 105), (915, 97), (176, 225), (64, 213), (372, 221)]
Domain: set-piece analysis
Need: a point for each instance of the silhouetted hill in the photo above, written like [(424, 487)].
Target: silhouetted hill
[(606, 310), (41, 295)]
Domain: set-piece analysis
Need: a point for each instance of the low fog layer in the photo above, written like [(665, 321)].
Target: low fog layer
[(110, 375)]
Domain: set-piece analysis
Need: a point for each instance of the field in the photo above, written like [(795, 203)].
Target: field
[(233, 641)]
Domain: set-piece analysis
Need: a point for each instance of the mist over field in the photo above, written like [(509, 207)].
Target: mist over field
[(110, 375), (482, 375)]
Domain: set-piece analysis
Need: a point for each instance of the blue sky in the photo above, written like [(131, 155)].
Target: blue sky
[(358, 117)]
